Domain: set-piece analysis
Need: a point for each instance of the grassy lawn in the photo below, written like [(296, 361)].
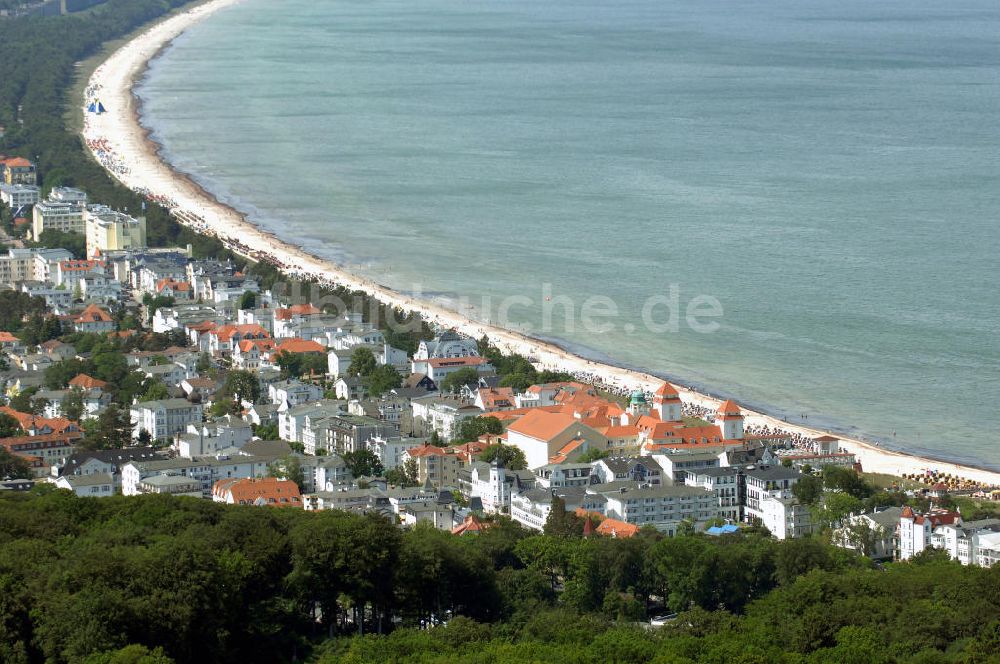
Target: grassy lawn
[(613, 398), (882, 481)]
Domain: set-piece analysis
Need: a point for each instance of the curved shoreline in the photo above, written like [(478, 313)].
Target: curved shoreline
[(134, 159)]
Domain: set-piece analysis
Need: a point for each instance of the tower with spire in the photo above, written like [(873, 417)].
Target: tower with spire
[(498, 484), (729, 419), (667, 403)]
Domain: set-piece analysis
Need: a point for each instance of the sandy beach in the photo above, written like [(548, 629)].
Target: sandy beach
[(120, 144)]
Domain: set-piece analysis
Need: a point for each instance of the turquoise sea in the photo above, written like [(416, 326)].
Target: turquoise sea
[(828, 172)]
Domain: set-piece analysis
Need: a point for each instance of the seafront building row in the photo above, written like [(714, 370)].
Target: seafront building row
[(622, 462)]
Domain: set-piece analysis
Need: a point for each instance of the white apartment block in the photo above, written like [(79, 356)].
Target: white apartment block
[(16, 196), (164, 418), (63, 210), (109, 230)]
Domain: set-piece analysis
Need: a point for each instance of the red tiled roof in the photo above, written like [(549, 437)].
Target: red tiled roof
[(471, 526), (469, 451), (667, 392), (87, 382), (93, 314), (176, 286), (20, 444), (566, 450), (729, 409), (269, 491), (227, 332), (297, 345), (616, 528), (426, 450), (542, 425), (260, 344), (204, 326), (78, 266), (296, 310), (497, 397), (471, 361), (28, 421)]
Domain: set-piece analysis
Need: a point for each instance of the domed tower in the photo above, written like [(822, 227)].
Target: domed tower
[(637, 407), (637, 404), (667, 403), (729, 419)]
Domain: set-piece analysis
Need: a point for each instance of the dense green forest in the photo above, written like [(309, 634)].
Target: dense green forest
[(189, 580)]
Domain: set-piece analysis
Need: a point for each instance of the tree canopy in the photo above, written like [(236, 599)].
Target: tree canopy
[(128, 578), (508, 456), (473, 427)]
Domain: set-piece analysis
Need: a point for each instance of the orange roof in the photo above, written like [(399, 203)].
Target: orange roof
[(7, 338), (178, 286), (468, 451), (87, 382), (227, 332), (260, 344), (28, 421), (671, 437), (297, 345), (566, 450), (471, 526), (17, 162), (667, 391), (427, 450), (204, 326), (496, 397), (269, 491), (93, 314), (729, 409), (296, 310), (77, 266), (937, 517), (542, 425), (455, 361), (616, 528), (515, 413), (19, 444)]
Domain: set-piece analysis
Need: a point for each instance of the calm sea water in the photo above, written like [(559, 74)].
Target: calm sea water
[(827, 171)]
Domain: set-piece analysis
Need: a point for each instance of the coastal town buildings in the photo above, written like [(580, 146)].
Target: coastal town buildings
[(18, 170), (916, 530), (18, 196), (626, 463), (264, 492), (64, 210), (110, 230), (163, 418)]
